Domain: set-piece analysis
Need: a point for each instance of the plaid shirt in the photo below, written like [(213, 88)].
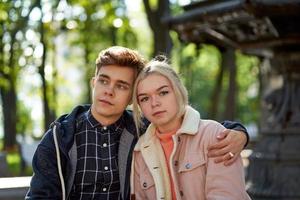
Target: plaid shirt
[(97, 173)]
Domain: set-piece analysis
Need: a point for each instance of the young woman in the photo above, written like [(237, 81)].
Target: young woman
[(170, 159)]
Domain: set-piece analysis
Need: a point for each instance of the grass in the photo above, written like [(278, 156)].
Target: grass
[(13, 160), (14, 165)]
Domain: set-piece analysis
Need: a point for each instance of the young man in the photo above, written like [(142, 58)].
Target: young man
[(87, 153)]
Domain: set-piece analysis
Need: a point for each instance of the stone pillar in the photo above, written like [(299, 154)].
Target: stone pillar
[(274, 170)]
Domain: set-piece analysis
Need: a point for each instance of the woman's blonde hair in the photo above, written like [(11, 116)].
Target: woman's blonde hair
[(159, 65)]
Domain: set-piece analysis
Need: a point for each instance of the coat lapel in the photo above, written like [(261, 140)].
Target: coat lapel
[(125, 149)]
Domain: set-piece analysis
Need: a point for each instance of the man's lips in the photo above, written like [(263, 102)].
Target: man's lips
[(158, 113), (105, 101)]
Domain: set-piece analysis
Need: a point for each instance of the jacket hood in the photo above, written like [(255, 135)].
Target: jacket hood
[(65, 126)]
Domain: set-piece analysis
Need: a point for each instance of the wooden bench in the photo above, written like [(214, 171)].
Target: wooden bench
[(14, 188)]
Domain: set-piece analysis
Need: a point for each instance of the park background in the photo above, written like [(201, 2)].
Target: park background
[(47, 57)]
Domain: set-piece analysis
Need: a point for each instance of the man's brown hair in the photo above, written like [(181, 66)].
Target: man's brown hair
[(121, 56)]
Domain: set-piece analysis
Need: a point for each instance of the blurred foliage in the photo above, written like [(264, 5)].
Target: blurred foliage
[(198, 67), (14, 163), (249, 94), (15, 166), (75, 31), (95, 26), (25, 123)]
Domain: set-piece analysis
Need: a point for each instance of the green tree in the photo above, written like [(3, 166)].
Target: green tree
[(157, 11), (13, 20), (48, 89), (99, 24)]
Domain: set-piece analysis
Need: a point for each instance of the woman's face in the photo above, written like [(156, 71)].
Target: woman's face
[(158, 102)]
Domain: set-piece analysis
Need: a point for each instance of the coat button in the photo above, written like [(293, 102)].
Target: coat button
[(176, 162), (188, 165), (181, 193), (144, 184)]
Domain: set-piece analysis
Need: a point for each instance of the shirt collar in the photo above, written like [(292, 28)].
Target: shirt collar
[(119, 124)]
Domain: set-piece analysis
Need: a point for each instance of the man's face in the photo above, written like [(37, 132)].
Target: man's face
[(112, 90)]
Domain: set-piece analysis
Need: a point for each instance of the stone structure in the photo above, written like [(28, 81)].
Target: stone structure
[(269, 29)]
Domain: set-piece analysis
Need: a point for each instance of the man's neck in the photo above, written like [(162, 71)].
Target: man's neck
[(105, 120)]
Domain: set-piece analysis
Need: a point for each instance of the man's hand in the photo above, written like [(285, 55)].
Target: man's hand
[(229, 146)]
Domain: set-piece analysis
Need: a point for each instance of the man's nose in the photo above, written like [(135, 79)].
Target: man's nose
[(109, 90)]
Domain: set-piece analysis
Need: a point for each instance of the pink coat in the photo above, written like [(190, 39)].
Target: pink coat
[(195, 176)]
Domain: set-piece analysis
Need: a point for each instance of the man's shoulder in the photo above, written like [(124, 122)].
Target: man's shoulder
[(65, 124), (76, 113)]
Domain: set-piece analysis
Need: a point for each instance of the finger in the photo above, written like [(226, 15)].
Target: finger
[(231, 160), (219, 159), (218, 152), (218, 145), (224, 158), (223, 134)]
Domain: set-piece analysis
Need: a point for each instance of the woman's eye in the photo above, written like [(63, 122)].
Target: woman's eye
[(144, 99), (163, 93)]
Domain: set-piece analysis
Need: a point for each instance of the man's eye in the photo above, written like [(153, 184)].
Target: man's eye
[(103, 81), (122, 87), (163, 93)]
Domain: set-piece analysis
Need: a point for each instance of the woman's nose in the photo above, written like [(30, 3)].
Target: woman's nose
[(155, 101)]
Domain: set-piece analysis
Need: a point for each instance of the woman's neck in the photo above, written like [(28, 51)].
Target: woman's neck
[(173, 127)]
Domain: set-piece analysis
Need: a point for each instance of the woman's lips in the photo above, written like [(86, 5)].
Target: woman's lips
[(158, 113)]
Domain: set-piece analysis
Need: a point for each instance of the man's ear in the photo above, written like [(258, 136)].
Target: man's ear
[(92, 82)]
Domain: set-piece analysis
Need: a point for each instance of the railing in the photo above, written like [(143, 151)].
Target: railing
[(14, 188)]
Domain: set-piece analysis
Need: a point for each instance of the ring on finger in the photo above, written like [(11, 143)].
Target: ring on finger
[(231, 154)]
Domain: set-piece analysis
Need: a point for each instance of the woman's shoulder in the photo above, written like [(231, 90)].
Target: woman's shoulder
[(209, 123), (209, 128)]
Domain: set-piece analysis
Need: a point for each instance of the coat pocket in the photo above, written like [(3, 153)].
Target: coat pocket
[(191, 162), (146, 180)]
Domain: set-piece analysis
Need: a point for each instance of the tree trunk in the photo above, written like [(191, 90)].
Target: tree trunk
[(230, 108), (214, 107), (9, 104), (162, 40), (8, 98), (48, 112), (8, 92), (88, 75)]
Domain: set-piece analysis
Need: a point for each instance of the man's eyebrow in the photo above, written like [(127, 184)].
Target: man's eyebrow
[(124, 82), (160, 88), (104, 76), (119, 81)]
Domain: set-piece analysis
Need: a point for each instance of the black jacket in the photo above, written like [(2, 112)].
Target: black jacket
[(46, 183)]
